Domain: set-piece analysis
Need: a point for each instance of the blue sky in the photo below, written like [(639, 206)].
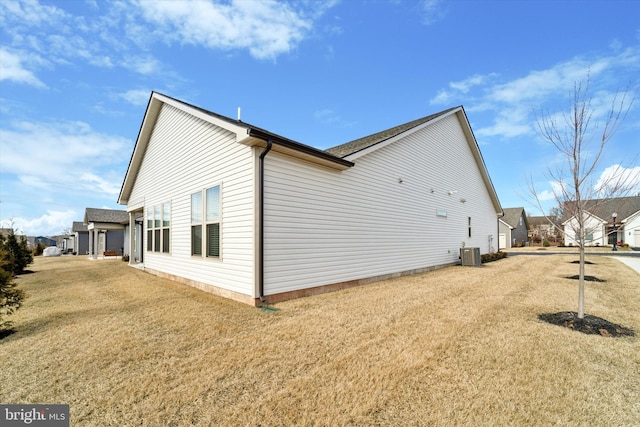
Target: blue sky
[(75, 77)]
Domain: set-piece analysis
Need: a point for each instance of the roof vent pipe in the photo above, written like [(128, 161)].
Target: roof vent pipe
[(239, 114)]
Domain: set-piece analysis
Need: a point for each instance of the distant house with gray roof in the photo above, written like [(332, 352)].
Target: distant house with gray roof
[(513, 228), (105, 231), (80, 236), (601, 228), (247, 214)]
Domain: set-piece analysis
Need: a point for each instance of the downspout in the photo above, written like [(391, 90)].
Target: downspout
[(261, 236)]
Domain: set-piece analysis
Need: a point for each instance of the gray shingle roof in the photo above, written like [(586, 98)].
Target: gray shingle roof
[(360, 144), (106, 215), (512, 216), (78, 226), (623, 206)]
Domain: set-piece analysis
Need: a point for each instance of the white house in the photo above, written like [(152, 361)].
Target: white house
[(607, 221), (250, 215)]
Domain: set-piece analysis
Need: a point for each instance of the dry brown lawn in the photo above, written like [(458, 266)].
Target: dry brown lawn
[(458, 346)]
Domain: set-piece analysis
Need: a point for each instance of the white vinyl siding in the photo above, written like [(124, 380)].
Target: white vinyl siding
[(632, 231), (379, 217), (186, 155), (594, 232)]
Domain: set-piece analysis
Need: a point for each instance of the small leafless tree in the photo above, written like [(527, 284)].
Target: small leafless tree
[(581, 143)]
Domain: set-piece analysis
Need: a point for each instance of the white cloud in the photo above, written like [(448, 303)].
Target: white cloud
[(459, 89), (553, 194), (476, 80), (12, 69), (122, 33), (546, 195), (58, 166), (236, 25), (29, 12), (327, 116), (618, 179), (432, 11), (505, 128), (443, 97), (106, 186), (68, 156), (138, 97), (63, 39), (49, 224), (143, 65), (513, 101)]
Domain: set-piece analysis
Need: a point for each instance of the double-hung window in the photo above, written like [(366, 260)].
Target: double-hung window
[(159, 228), (166, 226), (156, 229), (205, 222)]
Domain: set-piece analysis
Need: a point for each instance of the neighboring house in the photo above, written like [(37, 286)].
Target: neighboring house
[(29, 239), (46, 241), (80, 235), (600, 227), (513, 228), (244, 213), (542, 227), (106, 231), (6, 231)]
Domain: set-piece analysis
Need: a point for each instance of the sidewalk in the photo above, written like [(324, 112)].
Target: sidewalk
[(630, 258), (632, 262)]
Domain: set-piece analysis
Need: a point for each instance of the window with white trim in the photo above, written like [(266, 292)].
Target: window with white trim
[(159, 228), (205, 222), (166, 226)]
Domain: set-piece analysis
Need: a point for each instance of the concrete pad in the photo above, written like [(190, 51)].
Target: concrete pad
[(633, 262)]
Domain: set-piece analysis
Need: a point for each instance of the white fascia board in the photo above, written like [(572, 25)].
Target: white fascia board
[(240, 131), (105, 226), (298, 154)]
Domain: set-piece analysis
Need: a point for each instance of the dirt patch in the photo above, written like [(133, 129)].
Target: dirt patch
[(587, 278), (589, 325)]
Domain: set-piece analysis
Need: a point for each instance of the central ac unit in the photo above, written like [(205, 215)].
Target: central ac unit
[(470, 256)]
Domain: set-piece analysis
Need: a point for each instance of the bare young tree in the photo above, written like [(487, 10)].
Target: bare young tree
[(581, 141)]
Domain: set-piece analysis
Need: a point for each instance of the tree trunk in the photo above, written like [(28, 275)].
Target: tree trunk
[(581, 284)]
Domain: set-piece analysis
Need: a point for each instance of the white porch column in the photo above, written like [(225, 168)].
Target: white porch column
[(90, 244), (132, 242), (96, 246)]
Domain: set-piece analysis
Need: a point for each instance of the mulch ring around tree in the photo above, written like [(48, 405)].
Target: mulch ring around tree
[(589, 325), (587, 278), (6, 332)]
